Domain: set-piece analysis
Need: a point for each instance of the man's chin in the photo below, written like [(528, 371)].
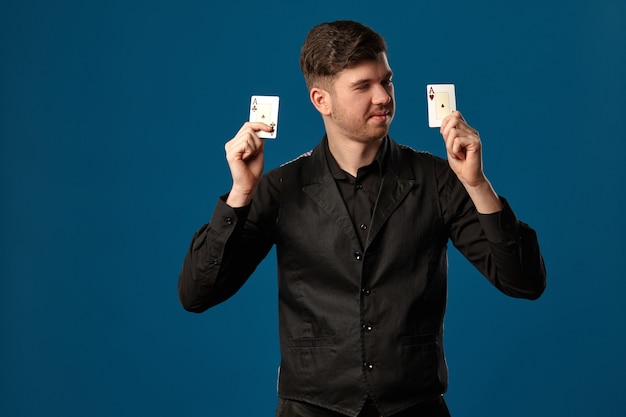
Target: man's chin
[(375, 134), (382, 129)]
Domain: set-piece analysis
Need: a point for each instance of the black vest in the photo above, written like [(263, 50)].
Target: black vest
[(359, 322)]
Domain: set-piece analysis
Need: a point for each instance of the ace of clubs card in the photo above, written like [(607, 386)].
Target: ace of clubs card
[(265, 109)]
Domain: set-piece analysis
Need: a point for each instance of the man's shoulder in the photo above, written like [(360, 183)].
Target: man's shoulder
[(290, 169), (416, 155), (408, 150), (298, 160)]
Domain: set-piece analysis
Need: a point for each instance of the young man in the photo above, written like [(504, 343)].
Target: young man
[(360, 226)]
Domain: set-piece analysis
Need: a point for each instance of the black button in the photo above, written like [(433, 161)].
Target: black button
[(368, 327), (363, 226), (358, 255), (368, 366), (228, 220), (366, 291), (359, 186)]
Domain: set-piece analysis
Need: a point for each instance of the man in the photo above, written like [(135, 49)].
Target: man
[(360, 226)]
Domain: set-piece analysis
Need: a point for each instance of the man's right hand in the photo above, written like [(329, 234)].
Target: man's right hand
[(244, 154)]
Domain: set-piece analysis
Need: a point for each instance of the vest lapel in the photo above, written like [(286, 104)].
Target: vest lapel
[(392, 191), (326, 195), (321, 188), (397, 182)]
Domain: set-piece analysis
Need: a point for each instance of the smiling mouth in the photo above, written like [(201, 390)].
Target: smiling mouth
[(380, 116)]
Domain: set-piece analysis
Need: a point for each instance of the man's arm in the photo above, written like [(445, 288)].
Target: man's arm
[(504, 249), (245, 157), (221, 256), (206, 277), (464, 150)]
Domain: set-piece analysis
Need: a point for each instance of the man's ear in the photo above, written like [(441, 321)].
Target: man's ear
[(321, 100)]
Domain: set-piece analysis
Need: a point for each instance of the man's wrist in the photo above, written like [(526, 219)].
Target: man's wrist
[(484, 198), (237, 199)]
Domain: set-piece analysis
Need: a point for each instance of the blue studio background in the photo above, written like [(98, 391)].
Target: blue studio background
[(113, 117)]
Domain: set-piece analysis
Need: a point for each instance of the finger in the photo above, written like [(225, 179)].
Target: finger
[(250, 148), (250, 129), (244, 145), (456, 120), (249, 132), (449, 138), (458, 148), (247, 149), (451, 121), (257, 126), (462, 144)]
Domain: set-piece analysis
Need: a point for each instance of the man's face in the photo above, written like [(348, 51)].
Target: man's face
[(361, 102)]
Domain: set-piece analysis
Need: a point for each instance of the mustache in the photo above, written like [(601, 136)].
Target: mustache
[(383, 110)]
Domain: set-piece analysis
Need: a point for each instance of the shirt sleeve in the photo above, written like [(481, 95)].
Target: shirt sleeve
[(504, 249), (219, 260), (500, 226)]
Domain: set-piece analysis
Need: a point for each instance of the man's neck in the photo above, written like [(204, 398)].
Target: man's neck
[(352, 155)]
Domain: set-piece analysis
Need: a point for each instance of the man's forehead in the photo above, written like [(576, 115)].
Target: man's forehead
[(366, 70)]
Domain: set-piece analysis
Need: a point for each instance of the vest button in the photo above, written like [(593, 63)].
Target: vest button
[(358, 255), (368, 366), (368, 327), (366, 291)]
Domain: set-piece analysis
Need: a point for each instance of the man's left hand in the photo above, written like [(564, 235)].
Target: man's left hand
[(464, 149), (465, 158)]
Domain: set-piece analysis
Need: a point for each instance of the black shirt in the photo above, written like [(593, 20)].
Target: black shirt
[(361, 192), (359, 321)]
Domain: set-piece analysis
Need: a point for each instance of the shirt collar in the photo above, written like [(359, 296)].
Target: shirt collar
[(379, 160)]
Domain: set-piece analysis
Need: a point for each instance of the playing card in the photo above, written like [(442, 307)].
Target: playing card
[(265, 109), (441, 102)]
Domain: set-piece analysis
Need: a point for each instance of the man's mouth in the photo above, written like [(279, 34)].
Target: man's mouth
[(380, 115)]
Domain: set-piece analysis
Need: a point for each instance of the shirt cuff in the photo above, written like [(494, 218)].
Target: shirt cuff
[(501, 226), (226, 218)]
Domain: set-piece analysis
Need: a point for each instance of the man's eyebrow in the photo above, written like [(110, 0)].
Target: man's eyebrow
[(361, 81), (387, 76)]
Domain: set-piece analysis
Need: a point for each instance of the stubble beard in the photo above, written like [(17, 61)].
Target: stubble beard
[(370, 130)]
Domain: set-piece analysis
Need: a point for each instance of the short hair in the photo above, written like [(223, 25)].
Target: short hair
[(332, 47)]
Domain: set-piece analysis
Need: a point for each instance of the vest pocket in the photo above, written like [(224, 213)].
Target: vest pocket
[(311, 342), (309, 358)]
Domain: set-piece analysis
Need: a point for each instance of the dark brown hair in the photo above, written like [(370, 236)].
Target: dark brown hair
[(332, 47)]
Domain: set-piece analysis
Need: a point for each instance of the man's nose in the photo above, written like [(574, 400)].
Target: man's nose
[(381, 96)]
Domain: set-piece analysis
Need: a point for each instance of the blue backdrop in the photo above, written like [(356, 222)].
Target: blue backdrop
[(113, 117)]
